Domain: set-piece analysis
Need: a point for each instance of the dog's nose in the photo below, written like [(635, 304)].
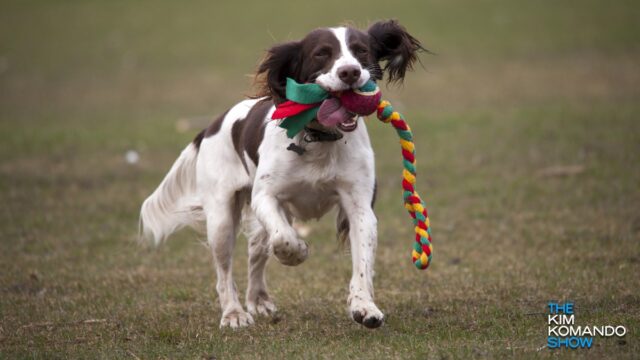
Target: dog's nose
[(349, 74)]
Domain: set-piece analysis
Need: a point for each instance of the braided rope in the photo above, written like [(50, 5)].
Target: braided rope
[(421, 254)]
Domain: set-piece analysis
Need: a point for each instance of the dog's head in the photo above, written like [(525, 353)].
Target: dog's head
[(340, 58)]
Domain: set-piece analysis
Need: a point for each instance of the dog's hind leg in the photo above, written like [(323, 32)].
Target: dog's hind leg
[(258, 300), (223, 214)]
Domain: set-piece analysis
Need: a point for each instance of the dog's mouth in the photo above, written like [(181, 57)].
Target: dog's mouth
[(333, 114), (350, 124)]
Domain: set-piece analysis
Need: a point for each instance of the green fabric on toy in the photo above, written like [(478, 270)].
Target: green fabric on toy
[(306, 102)]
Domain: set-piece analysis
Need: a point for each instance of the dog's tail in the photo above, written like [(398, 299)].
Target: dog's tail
[(174, 204)]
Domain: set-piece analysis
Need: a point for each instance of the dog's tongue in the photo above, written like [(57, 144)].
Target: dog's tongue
[(332, 113)]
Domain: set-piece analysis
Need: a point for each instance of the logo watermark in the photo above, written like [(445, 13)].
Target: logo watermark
[(564, 333)]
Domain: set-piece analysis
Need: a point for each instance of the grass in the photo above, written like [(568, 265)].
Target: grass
[(519, 94)]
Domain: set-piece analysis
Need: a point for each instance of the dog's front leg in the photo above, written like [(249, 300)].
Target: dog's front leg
[(356, 203), (283, 238)]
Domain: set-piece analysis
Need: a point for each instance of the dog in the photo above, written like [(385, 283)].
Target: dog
[(243, 169)]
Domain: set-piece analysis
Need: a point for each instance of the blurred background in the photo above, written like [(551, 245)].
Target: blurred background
[(528, 141)]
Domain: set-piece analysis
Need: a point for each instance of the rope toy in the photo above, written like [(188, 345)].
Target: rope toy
[(308, 101), (422, 249)]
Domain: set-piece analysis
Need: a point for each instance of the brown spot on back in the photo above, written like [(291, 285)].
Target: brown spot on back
[(198, 139), (210, 130), (247, 134), (215, 125), (236, 134)]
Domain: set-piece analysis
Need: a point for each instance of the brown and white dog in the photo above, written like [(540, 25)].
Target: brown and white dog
[(241, 169)]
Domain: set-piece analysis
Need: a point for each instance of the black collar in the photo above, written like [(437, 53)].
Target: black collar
[(314, 135), (317, 135)]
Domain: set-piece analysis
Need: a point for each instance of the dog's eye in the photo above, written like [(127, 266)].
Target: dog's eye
[(361, 51), (323, 53)]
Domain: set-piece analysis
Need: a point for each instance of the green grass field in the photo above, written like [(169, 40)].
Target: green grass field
[(527, 125)]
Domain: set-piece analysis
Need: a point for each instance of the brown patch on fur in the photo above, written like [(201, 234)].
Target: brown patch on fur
[(236, 132), (198, 139), (255, 130), (215, 125), (210, 130), (247, 134)]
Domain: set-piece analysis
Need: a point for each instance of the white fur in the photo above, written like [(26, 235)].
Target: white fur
[(330, 81), (173, 205), (281, 187)]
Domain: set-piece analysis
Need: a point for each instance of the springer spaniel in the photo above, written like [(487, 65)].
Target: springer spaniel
[(243, 168)]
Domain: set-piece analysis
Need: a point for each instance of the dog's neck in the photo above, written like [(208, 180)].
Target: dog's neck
[(316, 132)]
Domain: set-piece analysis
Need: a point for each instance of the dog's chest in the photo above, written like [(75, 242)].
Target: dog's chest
[(306, 200), (312, 191), (307, 184)]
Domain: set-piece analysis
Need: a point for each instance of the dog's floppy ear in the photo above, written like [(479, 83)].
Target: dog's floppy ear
[(281, 61), (392, 43)]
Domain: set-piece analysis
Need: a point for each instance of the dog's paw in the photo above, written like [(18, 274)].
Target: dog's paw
[(366, 313), (290, 252), (260, 305), (236, 318)]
